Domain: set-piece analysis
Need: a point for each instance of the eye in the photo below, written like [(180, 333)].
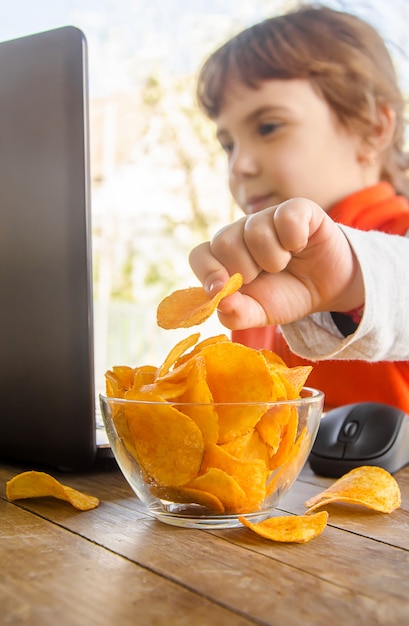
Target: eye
[(226, 143), (227, 146), (225, 140), (268, 128)]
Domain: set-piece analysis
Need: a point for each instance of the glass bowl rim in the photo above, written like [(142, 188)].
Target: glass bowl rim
[(315, 395)]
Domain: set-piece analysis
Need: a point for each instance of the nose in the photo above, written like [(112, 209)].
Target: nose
[(243, 162)]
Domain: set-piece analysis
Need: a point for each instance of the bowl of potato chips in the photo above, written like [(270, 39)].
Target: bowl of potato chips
[(217, 431)]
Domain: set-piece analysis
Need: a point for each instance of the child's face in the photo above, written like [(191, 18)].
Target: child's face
[(283, 141)]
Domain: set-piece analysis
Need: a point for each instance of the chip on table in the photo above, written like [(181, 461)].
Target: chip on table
[(289, 528), (368, 485), (34, 484)]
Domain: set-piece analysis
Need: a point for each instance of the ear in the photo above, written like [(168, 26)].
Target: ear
[(381, 134), (384, 127)]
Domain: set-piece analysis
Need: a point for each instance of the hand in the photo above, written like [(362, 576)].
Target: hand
[(294, 259)]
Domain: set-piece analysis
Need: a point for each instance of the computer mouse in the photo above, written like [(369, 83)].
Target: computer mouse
[(364, 433)]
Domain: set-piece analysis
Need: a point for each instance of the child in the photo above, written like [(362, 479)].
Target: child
[(307, 105)]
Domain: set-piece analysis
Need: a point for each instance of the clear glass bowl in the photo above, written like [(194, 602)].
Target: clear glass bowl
[(187, 482)]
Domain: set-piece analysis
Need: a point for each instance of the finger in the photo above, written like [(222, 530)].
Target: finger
[(263, 243), (229, 247), (211, 273), (296, 221), (275, 235), (241, 311)]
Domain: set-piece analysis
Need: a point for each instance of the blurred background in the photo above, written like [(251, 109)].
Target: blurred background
[(158, 175)]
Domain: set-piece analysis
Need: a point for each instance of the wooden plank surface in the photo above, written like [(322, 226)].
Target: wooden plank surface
[(54, 577), (119, 560)]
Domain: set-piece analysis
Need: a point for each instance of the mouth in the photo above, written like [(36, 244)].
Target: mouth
[(254, 204)]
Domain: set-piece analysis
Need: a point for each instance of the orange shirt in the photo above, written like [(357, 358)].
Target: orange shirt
[(344, 382)]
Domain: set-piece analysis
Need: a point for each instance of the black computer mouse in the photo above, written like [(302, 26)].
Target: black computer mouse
[(365, 433)]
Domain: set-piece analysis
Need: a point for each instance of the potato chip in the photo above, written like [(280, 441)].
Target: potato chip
[(289, 434), (39, 484), (189, 307), (201, 428), (121, 426), (125, 454), (169, 445), (177, 374), (186, 495), (296, 377), (289, 528), (176, 352), (278, 383), (293, 378), (369, 486), (250, 475), (143, 375), (271, 426), (223, 486), (292, 466), (124, 375), (199, 347), (122, 378), (248, 447), (203, 413), (118, 380), (272, 358), (166, 389), (236, 373)]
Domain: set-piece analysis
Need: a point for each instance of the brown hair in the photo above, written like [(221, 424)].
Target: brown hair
[(343, 57)]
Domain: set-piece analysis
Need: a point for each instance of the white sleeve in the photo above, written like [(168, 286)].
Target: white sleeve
[(383, 333)]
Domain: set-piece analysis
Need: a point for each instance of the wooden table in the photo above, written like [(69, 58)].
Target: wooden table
[(116, 566)]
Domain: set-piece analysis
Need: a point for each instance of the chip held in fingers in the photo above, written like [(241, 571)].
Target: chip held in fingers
[(369, 486), (33, 484), (192, 306), (289, 528)]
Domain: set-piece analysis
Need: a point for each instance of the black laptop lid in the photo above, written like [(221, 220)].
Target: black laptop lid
[(46, 346)]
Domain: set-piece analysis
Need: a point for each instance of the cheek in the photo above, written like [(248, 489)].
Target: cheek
[(299, 167), (298, 179), (287, 171), (235, 191)]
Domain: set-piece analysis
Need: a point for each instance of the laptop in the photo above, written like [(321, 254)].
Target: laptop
[(47, 387)]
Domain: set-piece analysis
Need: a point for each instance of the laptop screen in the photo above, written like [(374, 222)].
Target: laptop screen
[(46, 336)]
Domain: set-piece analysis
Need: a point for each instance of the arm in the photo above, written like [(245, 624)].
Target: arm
[(294, 261), (383, 333), (298, 264)]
